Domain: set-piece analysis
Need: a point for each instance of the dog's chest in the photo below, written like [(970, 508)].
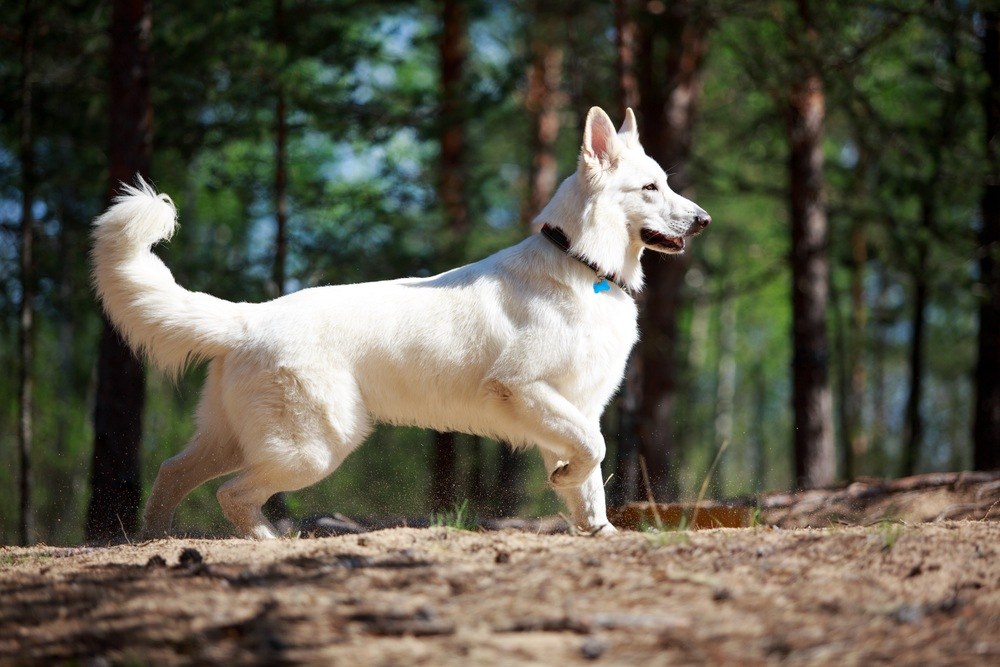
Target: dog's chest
[(604, 333)]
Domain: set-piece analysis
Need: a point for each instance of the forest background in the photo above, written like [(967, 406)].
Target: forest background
[(839, 319)]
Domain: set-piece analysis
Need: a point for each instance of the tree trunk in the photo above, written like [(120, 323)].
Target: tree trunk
[(280, 161), (658, 443), (115, 475), (626, 33), (913, 427), (725, 392), (946, 126), (758, 464), (72, 243), (667, 108), (544, 102), (625, 480), (850, 342), (842, 384), (444, 487), (453, 53), (451, 191), (815, 458), (276, 507), (26, 525), (877, 458), (986, 431), (856, 440)]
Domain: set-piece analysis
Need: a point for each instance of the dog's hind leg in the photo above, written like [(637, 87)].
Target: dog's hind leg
[(243, 496), (585, 502), (294, 429), (205, 457), (211, 453)]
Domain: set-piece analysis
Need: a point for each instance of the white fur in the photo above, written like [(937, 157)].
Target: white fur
[(517, 346)]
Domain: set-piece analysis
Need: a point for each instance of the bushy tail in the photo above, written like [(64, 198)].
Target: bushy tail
[(158, 317)]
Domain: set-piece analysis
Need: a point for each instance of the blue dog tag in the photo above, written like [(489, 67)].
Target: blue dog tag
[(601, 286)]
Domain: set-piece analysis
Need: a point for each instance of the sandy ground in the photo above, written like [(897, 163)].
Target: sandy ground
[(888, 592)]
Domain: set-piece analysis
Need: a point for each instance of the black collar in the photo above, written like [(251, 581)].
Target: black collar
[(559, 239)]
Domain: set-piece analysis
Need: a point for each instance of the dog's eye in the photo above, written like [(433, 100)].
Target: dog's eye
[(650, 186)]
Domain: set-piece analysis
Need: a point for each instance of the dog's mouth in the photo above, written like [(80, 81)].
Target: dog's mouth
[(661, 242)]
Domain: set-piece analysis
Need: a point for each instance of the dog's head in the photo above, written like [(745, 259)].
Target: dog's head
[(628, 187)]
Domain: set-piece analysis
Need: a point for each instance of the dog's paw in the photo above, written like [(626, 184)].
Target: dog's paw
[(569, 475), (261, 532), (603, 530)]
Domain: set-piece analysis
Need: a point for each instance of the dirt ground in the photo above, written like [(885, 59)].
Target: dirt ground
[(892, 591)]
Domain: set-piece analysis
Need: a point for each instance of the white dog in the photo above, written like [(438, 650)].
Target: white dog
[(526, 346)]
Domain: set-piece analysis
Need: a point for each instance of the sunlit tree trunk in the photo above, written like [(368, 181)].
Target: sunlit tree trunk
[(986, 433), (453, 46), (626, 33), (26, 525), (544, 101), (815, 457), (116, 483)]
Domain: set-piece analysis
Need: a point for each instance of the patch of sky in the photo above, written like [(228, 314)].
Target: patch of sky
[(9, 249), (8, 160), (400, 156), (325, 75), (501, 217), (404, 149), (849, 155), (353, 164), (491, 48), (260, 241), (10, 209), (396, 33), (370, 76)]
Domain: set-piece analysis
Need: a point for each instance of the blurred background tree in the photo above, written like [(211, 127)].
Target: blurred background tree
[(309, 142)]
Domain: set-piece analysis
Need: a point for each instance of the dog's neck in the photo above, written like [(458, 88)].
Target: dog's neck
[(558, 238), (596, 234)]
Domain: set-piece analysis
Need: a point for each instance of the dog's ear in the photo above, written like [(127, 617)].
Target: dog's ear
[(629, 132), (600, 143)]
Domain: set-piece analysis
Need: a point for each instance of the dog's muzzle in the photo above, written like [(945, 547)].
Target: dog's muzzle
[(660, 241), (672, 244)]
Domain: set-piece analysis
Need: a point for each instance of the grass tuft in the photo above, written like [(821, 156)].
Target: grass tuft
[(890, 531), (458, 517)]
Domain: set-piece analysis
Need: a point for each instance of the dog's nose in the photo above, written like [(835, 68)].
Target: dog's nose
[(702, 220)]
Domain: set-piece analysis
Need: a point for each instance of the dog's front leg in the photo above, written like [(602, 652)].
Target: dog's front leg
[(585, 502), (558, 427)]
